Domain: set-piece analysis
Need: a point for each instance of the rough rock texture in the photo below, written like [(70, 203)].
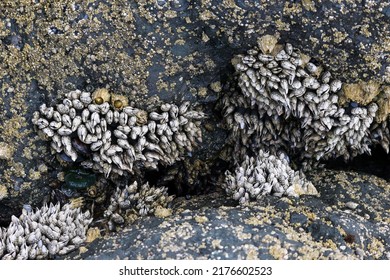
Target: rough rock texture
[(348, 221), (178, 50)]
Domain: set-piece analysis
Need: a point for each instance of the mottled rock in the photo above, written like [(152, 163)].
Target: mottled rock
[(213, 227), (143, 49)]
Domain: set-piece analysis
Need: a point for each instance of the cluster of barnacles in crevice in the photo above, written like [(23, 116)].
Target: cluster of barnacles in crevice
[(287, 104)]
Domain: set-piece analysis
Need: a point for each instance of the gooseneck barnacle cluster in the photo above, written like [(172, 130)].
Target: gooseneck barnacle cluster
[(110, 136), (288, 104)]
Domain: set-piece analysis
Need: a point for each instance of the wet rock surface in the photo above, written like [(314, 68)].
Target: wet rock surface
[(175, 50), (347, 221)]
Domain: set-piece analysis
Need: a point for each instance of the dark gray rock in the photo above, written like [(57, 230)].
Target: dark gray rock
[(143, 49), (212, 227)]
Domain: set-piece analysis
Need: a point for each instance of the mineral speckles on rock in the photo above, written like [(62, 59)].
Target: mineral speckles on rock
[(6, 151)]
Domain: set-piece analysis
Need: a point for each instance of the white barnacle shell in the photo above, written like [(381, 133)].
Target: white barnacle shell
[(62, 109), (93, 108), (288, 65), (109, 117), (85, 115), (123, 118), (335, 85), (116, 117), (156, 116), (289, 48), (311, 82), (311, 67), (124, 128), (63, 131), (55, 125), (119, 134), (95, 119), (194, 115), (66, 120), (57, 116), (96, 145), (41, 123), (123, 143), (184, 107), (77, 104), (104, 108), (85, 97), (282, 55), (323, 89), (76, 122), (152, 126), (130, 111), (82, 132), (165, 107)]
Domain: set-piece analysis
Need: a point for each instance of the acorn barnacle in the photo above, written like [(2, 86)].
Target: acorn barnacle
[(101, 95), (119, 101)]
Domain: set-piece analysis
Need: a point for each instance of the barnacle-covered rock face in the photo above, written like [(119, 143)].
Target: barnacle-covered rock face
[(289, 102), (107, 135), (49, 231), (265, 174), (142, 200)]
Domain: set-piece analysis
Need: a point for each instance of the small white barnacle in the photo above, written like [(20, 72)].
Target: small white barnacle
[(66, 120), (197, 115), (93, 108), (57, 116), (62, 109), (96, 145), (95, 119), (165, 107), (123, 118), (104, 108), (82, 132), (288, 65), (55, 125), (156, 116), (85, 97), (109, 117), (282, 55), (77, 104), (123, 143), (119, 134), (311, 67), (311, 83), (116, 117), (324, 88), (184, 107), (335, 85), (64, 131)]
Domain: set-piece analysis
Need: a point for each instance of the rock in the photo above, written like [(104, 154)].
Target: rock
[(172, 51), (213, 227)]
